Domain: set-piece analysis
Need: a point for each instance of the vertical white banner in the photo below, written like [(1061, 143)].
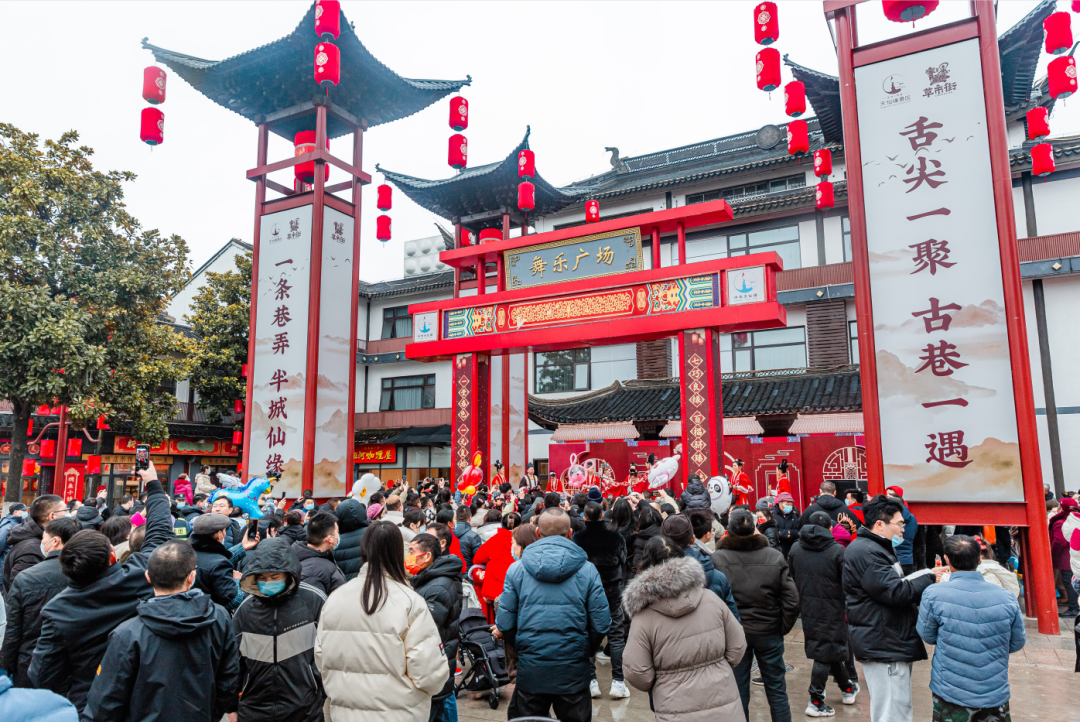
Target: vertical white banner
[(944, 377), (337, 361), (279, 369), (497, 418), (519, 424)]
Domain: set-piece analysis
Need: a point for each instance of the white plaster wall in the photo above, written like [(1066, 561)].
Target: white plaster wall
[(180, 304), (808, 242), (539, 442), (1016, 133), (1019, 212), (1055, 206), (362, 319), (834, 239), (377, 372)]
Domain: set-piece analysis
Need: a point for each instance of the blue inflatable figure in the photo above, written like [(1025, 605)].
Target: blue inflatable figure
[(246, 496)]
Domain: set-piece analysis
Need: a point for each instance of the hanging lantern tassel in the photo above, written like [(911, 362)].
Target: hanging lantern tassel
[(766, 24), (1062, 76), (153, 85), (1059, 37), (798, 137), (382, 228), (459, 114), (327, 65), (526, 196), (526, 164), (385, 194), (458, 151), (795, 98), (1038, 123), (903, 11), (152, 127), (768, 69), (328, 19), (823, 163), (592, 211), (1042, 160)]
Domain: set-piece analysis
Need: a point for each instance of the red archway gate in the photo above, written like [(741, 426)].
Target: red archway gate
[(587, 286)]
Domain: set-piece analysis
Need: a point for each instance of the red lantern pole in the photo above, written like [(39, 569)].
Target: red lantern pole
[(61, 454)]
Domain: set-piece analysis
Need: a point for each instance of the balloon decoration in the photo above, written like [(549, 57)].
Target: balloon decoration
[(364, 487), (663, 472), (473, 476), (576, 475), (719, 494), (246, 496)]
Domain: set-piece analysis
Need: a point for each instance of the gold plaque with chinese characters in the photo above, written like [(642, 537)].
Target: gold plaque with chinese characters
[(575, 259)]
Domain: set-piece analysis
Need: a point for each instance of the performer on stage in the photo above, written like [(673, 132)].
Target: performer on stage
[(530, 480), (740, 485), (640, 484), (499, 481), (783, 483), (555, 484)]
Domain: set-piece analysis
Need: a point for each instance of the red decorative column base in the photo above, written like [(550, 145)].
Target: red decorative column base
[(702, 403), (471, 404)]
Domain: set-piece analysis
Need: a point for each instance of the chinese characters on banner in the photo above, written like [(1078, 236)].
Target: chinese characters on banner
[(574, 259), (944, 378), (279, 371), (375, 454), (337, 358)]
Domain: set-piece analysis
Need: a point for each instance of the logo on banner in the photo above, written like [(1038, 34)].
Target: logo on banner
[(894, 85), (746, 286), (339, 232), (939, 81), (275, 234), (426, 326), (294, 228)]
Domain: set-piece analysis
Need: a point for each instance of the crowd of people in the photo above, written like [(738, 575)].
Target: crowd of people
[(180, 608)]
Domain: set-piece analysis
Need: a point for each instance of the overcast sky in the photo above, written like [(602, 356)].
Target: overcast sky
[(641, 76)]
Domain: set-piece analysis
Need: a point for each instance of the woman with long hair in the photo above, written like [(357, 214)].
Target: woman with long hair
[(377, 646), (683, 639), (648, 526)]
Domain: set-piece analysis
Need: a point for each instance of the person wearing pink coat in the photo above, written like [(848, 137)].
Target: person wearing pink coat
[(183, 486)]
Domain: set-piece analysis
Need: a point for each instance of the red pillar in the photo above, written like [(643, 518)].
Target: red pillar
[(61, 454), (702, 403), (471, 400), (682, 243), (655, 247)]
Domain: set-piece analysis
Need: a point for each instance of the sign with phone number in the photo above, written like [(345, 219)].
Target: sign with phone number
[(375, 454)]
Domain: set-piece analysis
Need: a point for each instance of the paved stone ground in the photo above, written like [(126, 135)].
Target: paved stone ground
[(1040, 675)]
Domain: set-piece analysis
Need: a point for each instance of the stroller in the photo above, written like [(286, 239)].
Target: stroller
[(487, 661)]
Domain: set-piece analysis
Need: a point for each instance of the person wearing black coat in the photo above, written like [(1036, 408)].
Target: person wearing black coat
[(89, 517), (828, 503), (24, 541), (607, 552), (294, 529), (30, 591), (787, 522), (352, 523), (649, 521), (437, 578), (695, 496), (177, 659), (817, 563), (101, 594), (275, 631), (215, 570)]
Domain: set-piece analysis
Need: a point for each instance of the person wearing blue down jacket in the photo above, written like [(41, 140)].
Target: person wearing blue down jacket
[(975, 627), (554, 613)]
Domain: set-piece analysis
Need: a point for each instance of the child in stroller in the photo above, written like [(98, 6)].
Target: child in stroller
[(487, 660)]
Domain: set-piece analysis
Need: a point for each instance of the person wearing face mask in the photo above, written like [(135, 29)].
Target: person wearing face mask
[(24, 541), (28, 594), (786, 517), (437, 578), (280, 612), (215, 571), (881, 610), (317, 566)]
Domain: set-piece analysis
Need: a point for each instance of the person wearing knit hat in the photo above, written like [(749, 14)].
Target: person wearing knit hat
[(594, 495), (374, 511), (895, 491), (680, 530)]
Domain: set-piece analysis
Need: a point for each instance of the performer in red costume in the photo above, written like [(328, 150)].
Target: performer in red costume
[(498, 480), (740, 485), (639, 484), (555, 483), (783, 483)]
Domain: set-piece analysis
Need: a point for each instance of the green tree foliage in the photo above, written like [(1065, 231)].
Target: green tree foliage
[(220, 321), (81, 289)]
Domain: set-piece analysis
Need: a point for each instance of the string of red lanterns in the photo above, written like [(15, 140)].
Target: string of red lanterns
[(1061, 75), (328, 19), (592, 211), (152, 120)]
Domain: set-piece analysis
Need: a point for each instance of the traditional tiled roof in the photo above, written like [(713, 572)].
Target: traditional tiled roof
[(771, 201), (407, 286), (1063, 148), (823, 94), (483, 189), (784, 391), (278, 75)]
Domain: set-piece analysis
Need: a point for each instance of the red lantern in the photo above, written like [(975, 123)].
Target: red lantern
[(526, 196), (385, 193), (42, 410), (458, 153), (1042, 159), (526, 164), (238, 437), (328, 19), (29, 467), (101, 424), (1076, 6), (74, 447), (382, 228), (327, 64), (304, 142), (93, 465), (30, 427), (243, 370), (798, 137), (768, 69), (153, 85), (825, 198), (459, 113), (48, 449), (490, 235), (238, 406), (1062, 75), (906, 11), (592, 211), (766, 25), (795, 98), (1038, 123), (822, 162), (1059, 38), (152, 129)]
